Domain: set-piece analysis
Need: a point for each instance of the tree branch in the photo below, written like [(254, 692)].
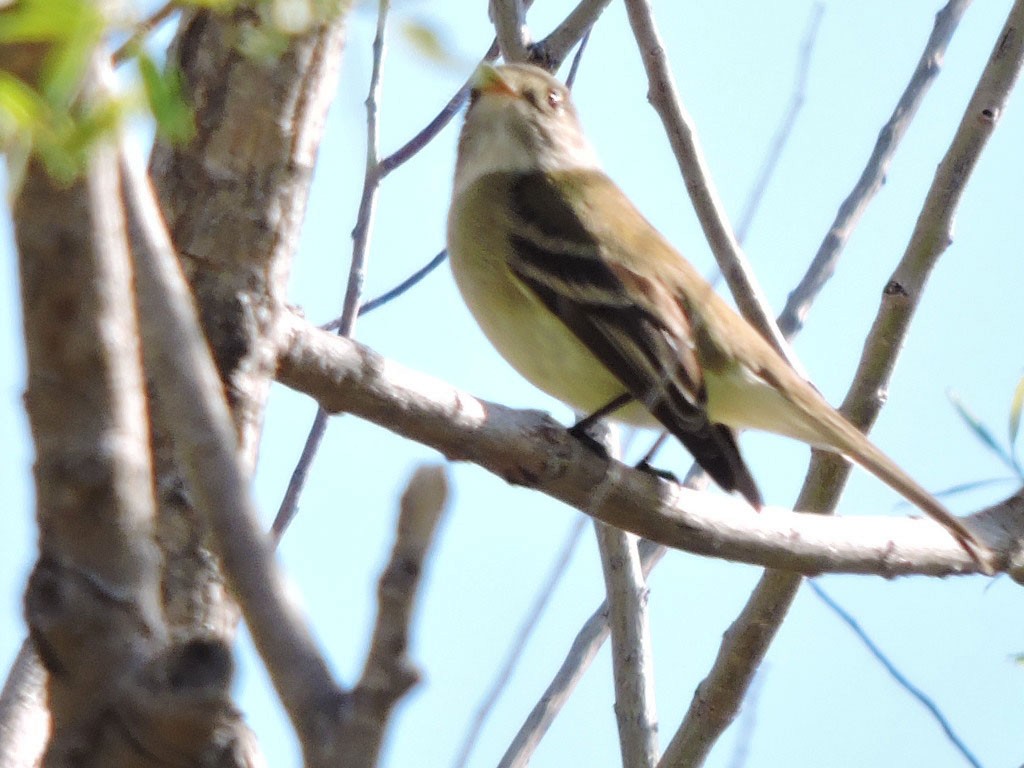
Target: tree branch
[(527, 626), (682, 136), (552, 50), (199, 422), (389, 673), (361, 233), (24, 716), (747, 640), (898, 677), (632, 654), (584, 648), (872, 177), (234, 198), (528, 448), (92, 600), (509, 18)]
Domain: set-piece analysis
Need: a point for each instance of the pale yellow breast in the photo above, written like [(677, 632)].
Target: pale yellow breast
[(523, 331)]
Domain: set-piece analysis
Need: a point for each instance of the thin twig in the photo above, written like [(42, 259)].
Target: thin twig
[(873, 176), (574, 68), (747, 640), (143, 28), (577, 661), (436, 125), (785, 127), (682, 136), (632, 655), (289, 506), (398, 158), (926, 701), (402, 287), (392, 161), (526, 628), (406, 152), (356, 275)]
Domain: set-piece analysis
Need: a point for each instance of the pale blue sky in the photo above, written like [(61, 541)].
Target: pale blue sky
[(823, 701)]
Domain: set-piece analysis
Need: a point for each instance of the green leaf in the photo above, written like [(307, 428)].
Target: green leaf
[(44, 21), (21, 108), (981, 431), (1016, 403), (213, 5), (65, 146), (430, 41), (70, 27), (959, 488), (165, 95)]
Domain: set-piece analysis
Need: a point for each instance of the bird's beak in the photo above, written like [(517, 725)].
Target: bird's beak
[(487, 79)]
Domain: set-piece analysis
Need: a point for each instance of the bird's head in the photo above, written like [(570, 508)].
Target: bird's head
[(520, 120)]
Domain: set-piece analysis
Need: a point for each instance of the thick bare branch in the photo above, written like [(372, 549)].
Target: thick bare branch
[(234, 198), (389, 673), (197, 417), (552, 50), (719, 695), (528, 448), (24, 717), (509, 18), (626, 594), (92, 603)]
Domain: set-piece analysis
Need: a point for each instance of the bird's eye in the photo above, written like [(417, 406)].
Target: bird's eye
[(474, 96), (555, 99)]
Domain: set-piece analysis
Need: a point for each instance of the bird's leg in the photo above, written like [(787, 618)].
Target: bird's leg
[(579, 429)]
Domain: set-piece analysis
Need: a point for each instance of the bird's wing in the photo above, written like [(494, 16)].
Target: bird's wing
[(641, 336)]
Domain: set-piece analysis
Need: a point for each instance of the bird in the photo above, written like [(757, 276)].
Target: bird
[(589, 302)]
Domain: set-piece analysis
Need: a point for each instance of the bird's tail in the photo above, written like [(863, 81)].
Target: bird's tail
[(852, 443), (714, 447)]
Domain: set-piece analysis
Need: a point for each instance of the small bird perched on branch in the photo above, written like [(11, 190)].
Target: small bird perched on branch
[(589, 302)]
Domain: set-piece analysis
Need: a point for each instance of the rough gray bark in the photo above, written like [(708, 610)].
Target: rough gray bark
[(234, 198)]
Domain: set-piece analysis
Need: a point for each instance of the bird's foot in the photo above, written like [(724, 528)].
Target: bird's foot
[(664, 474), (579, 431)]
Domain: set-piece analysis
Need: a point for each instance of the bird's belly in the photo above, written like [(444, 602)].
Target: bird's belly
[(536, 343)]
